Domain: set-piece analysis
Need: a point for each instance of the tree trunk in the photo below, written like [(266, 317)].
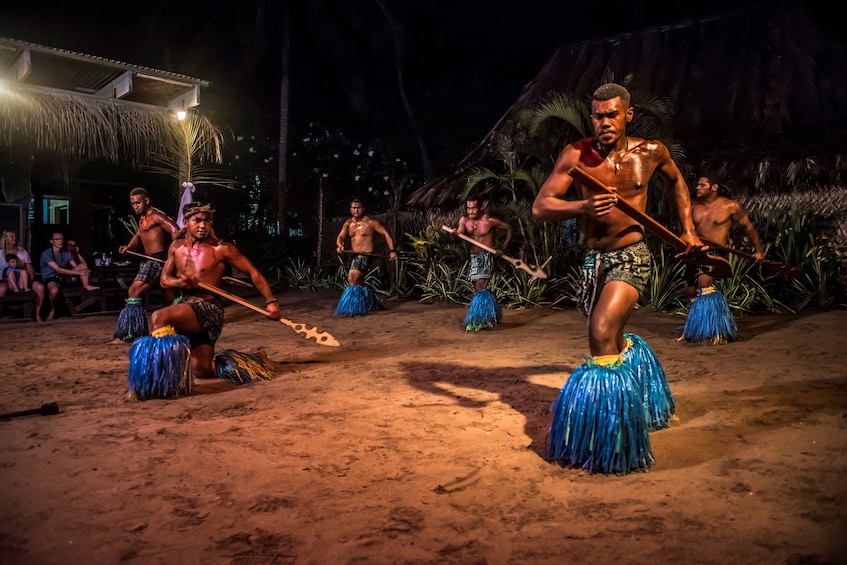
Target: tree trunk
[(399, 62), (321, 220), (284, 101)]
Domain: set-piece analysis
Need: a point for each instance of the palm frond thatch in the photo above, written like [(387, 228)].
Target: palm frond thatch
[(742, 100), (76, 126)]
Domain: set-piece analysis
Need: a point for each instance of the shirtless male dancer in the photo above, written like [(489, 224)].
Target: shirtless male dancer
[(616, 271), (357, 300), (196, 255), (155, 232), (710, 318), (714, 216), (360, 229), (481, 226), (483, 311)]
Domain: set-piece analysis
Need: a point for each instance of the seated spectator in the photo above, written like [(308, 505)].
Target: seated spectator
[(72, 248), (15, 277), (9, 245), (58, 270)]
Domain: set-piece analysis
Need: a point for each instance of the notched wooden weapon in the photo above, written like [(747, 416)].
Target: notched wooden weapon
[(536, 272), (321, 338), (157, 260), (784, 269), (721, 269)]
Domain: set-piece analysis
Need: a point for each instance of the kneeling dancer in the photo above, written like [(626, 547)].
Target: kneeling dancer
[(182, 343)]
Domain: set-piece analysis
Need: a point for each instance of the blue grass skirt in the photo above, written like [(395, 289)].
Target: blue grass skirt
[(710, 319), (599, 422), (650, 376), (159, 366), (483, 311), (357, 300), (132, 321), (240, 368)]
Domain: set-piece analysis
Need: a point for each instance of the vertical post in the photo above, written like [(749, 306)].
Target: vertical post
[(321, 219)]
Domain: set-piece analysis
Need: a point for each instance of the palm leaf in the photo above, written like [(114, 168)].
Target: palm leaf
[(192, 152)]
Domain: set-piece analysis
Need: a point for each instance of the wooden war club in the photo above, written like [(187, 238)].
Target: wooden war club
[(321, 338), (784, 269), (722, 268), (536, 272), (230, 279)]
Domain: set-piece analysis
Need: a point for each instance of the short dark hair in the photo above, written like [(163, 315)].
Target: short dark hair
[(713, 177), (11, 256), (138, 191), (611, 90)]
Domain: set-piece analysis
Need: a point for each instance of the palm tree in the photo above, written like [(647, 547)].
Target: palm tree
[(399, 60), (192, 152), (338, 30)]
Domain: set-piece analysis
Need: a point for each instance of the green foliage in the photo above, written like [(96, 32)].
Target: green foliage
[(302, 276), (442, 283), (401, 282), (664, 291), (194, 153), (335, 276), (434, 245), (744, 290), (130, 223), (799, 242), (555, 121), (515, 289)]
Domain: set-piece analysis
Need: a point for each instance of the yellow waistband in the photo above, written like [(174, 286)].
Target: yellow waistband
[(606, 360), (163, 331), (707, 290)]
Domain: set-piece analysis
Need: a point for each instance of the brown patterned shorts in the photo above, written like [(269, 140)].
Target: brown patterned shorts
[(631, 264), (151, 271), (210, 316)]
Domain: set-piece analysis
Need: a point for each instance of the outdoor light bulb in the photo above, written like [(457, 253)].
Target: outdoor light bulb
[(180, 115)]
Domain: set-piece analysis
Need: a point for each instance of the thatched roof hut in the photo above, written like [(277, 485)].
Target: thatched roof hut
[(84, 107), (60, 110), (760, 94)]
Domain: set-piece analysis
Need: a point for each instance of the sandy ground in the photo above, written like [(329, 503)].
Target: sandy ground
[(414, 442)]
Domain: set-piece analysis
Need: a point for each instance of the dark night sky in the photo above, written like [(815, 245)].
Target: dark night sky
[(467, 60)]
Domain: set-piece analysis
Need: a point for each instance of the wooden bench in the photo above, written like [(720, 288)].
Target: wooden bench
[(78, 299), (24, 300)]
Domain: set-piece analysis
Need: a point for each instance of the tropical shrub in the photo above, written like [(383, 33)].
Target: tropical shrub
[(664, 291), (442, 283), (745, 290), (798, 241), (302, 276)]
